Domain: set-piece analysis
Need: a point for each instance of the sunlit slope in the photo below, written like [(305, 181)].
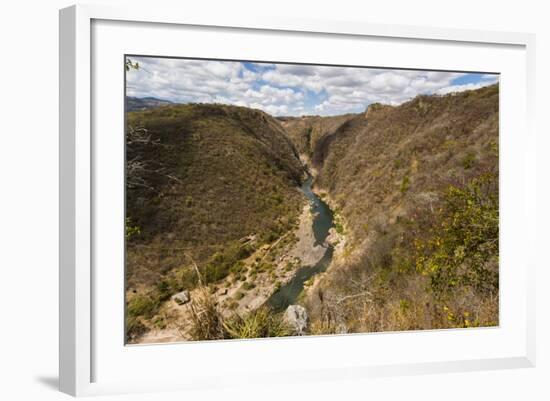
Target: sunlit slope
[(211, 175)]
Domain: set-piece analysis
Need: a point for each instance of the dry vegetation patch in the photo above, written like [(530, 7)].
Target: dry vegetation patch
[(417, 189)]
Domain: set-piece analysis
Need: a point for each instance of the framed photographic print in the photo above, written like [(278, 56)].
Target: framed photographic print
[(358, 199)]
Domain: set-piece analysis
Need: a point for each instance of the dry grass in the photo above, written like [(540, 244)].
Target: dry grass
[(206, 320), (386, 177), (257, 324), (428, 258), (203, 177), (208, 323)]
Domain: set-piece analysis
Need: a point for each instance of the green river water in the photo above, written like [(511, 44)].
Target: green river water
[(322, 222)]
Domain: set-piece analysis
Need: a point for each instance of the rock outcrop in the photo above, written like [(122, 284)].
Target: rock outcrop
[(296, 318), (182, 298)]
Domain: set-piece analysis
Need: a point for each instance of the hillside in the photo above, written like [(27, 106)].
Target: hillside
[(207, 186), (396, 228), (415, 193), (307, 130)]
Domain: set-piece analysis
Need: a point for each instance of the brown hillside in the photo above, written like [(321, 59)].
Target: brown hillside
[(415, 190), (200, 179), (307, 130), (379, 166)]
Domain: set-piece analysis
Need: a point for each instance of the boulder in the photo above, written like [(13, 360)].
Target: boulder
[(182, 297), (332, 238), (296, 318)]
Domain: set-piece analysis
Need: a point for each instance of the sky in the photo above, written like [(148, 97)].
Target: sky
[(290, 89)]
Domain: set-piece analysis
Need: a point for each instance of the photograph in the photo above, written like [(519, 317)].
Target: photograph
[(276, 199)]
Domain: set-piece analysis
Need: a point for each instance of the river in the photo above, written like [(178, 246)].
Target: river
[(322, 222)]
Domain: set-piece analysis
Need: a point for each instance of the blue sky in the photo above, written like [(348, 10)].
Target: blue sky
[(290, 89)]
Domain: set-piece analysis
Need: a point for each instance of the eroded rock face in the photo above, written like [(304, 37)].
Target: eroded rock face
[(333, 237), (296, 318), (182, 297)]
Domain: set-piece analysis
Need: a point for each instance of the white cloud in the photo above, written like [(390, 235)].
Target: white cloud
[(389, 82), (352, 89), (286, 88), (460, 88)]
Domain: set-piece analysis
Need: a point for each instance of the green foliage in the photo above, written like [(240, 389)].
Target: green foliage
[(404, 304), (134, 328), (248, 286), (129, 65), (463, 248), (142, 305), (131, 230), (259, 323), (207, 323), (238, 268), (405, 183), (184, 278), (226, 261), (468, 161), (147, 305), (165, 289), (494, 148)]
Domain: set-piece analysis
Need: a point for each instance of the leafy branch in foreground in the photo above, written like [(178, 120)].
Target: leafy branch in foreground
[(131, 229), (130, 65), (463, 248)]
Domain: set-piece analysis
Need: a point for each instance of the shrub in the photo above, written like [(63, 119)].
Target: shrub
[(259, 323), (164, 290), (134, 328), (463, 248), (248, 286), (237, 267), (224, 262), (142, 305), (131, 229), (468, 161), (339, 227)]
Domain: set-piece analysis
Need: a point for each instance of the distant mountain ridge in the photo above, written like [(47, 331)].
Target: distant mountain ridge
[(144, 103)]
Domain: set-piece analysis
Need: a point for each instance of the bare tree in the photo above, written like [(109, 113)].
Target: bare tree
[(139, 165)]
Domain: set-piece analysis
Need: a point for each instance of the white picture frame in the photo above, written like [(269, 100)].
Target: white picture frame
[(82, 344)]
